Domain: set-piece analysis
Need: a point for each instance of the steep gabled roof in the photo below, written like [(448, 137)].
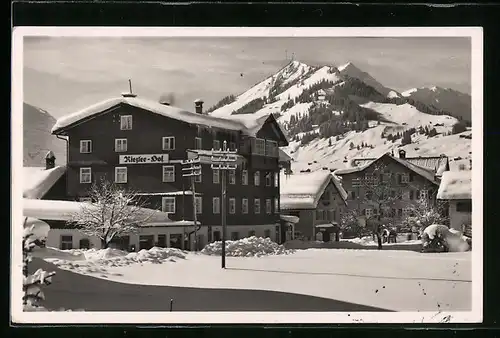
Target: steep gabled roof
[(283, 156), (303, 191), (439, 164), (253, 124), (426, 173), (248, 127), (455, 185)]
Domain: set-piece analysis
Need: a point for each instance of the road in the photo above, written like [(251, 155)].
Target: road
[(75, 291)]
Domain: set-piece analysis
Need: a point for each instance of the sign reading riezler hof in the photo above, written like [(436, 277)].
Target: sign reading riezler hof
[(144, 159)]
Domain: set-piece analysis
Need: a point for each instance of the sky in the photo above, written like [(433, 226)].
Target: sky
[(65, 74)]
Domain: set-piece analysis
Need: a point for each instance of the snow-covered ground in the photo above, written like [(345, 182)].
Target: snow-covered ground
[(395, 280)]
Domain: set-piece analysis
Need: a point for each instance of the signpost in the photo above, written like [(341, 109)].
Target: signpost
[(223, 160), (192, 169)]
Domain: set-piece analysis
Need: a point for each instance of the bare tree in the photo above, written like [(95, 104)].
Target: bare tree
[(114, 212), (424, 213)]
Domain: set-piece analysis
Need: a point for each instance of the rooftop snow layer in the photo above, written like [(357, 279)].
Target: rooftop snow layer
[(37, 181), (455, 185), (302, 191), (63, 210), (155, 107)]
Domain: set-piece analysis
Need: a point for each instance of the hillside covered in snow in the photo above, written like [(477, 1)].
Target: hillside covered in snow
[(333, 115)]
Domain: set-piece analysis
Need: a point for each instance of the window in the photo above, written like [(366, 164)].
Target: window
[(423, 194), (267, 233), (66, 242), (198, 204), (411, 194), (85, 199), (232, 145), (168, 143), (232, 205), (269, 179), (260, 146), (244, 205), (256, 178), (398, 178), (465, 206), (268, 206), (168, 204), (353, 195), (216, 176), (271, 148), (120, 145), (251, 233), (406, 194), (368, 212), (244, 177), (126, 122), (197, 143), (216, 205), (405, 178), (232, 176), (197, 178), (121, 175), (400, 212), (406, 211), (319, 215), (235, 235), (216, 145), (276, 205), (84, 243), (256, 205), (85, 146), (162, 241), (168, 173), (85, 175)]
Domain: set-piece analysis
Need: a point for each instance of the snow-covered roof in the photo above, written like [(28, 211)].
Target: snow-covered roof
[(437, 163), (290, 218), (37, 181), (283, 156), (424, 172), (63, 210), (253, 123), (302, 191), (455, 185), (247, 126)]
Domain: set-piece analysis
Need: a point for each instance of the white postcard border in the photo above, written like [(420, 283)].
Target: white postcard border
[(473, 316)]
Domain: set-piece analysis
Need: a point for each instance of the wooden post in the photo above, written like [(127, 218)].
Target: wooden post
[(223, 211)]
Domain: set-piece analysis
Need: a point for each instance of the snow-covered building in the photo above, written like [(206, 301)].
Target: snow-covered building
[(405, 185), (316, 198), (456, 188), (141, 144)]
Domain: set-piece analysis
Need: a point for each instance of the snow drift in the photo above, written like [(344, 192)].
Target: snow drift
[(247, 247)]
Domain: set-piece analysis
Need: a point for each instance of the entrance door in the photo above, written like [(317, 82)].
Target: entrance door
[(326, 236)]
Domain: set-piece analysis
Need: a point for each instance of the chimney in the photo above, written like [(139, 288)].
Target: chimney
[(50, 160), (198, 106), (129, 94), (402, 154)]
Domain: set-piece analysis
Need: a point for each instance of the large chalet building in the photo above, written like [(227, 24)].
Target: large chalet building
[(140, 144), (390, 186)]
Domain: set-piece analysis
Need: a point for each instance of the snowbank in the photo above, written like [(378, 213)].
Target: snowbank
[(455, 185), (92, 260), (247, 247)]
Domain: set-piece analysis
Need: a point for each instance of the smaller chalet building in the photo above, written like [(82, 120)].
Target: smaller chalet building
[(141, 144), (456, 188), (404, 184), (316, 198)]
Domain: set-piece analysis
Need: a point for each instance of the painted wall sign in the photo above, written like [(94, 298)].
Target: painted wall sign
[(144, 159)]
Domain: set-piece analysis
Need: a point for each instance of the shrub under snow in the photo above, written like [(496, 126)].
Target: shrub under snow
[(247, 247)]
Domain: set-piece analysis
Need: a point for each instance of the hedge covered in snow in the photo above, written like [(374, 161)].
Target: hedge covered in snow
[(247, 247)]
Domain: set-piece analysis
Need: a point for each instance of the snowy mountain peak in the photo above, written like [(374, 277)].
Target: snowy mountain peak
[(351, 70)]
